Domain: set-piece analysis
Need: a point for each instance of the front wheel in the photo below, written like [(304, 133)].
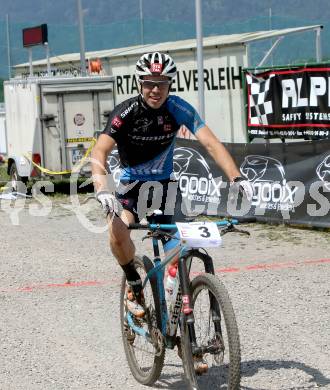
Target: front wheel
[(217, 339), (145, 357)]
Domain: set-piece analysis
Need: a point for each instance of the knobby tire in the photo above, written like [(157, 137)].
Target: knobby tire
[(144, 376), (231, 370)]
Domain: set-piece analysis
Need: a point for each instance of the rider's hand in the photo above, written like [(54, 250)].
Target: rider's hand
[(243, 187), (108, 201)]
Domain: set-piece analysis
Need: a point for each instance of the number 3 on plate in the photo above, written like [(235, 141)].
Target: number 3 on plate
[(205, 231)]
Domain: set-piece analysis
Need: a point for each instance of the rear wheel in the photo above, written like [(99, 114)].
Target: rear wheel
[(216, 337), (145, 358), (18, 183)]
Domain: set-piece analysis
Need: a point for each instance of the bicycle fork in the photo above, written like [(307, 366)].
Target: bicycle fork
[(184, 269)]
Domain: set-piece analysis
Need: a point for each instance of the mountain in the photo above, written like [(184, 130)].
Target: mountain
[(108, 11), (113, 23)]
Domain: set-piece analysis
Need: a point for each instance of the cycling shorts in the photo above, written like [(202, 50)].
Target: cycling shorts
[(142, 198)]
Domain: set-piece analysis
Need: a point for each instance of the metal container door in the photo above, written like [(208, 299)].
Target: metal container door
[(52, 132), (81, 118)]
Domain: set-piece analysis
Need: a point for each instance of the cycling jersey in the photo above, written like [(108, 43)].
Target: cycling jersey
[(145, 136)]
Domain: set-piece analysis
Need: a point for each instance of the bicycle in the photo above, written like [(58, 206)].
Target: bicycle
[(202, 309)]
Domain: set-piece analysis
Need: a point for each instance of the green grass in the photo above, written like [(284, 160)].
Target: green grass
[(3, 173), (61, 187)]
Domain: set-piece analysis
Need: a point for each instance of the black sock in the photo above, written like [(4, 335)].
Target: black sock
[(133, 277)]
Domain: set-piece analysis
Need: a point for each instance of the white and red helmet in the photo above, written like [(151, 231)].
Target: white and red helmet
[(156, 63)]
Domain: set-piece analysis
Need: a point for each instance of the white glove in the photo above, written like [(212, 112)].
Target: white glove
[(108, 202), (243, 187)]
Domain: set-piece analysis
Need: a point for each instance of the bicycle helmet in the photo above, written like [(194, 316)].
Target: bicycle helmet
[(156, 63)]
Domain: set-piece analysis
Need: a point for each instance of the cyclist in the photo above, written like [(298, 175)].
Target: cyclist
[(144, 128)]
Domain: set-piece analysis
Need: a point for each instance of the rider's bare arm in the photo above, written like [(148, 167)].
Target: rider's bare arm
[(218, 152), (100, 153)]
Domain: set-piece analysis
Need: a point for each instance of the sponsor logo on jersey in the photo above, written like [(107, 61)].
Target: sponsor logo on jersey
[(116, 121), (156, 68), (128, 110), (152, 138), (168, 127), (142, 125), (124, 202), (160, 120)]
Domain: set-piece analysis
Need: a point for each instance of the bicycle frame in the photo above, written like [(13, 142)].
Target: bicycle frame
[(183, 297), (158, 272)]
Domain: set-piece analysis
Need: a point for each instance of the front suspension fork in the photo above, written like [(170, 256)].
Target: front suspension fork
[(184, 265)]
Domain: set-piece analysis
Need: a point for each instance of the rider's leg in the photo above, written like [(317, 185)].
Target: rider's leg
[(123, 249), (121, 243)]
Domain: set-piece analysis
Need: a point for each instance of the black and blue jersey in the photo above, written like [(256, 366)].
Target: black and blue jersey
[(145, 136)]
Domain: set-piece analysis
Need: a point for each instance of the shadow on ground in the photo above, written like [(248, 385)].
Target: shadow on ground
[(249, 369)]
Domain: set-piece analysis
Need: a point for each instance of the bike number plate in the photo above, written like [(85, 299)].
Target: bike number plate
[(199, 234)]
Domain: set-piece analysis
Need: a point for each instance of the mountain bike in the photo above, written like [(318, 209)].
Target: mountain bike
[(201, 323)]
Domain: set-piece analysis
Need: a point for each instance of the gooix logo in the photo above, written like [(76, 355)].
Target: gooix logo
[(114, 165), (196, 181), (323, 172), (267, 176)]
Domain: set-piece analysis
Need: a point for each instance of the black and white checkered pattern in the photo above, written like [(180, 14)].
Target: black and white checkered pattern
[(260, 109)]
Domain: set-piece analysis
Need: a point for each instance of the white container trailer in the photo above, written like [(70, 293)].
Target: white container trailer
[(52, 121), (224, 108), (224, 58), (3, 136)]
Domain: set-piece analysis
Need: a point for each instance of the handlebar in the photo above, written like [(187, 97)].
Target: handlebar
[(154, 226)]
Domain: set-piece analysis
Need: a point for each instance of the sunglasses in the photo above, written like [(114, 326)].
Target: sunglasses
[(150, 84)]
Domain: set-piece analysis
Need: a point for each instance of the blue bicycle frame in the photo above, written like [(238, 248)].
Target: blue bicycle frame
[(159, 269)]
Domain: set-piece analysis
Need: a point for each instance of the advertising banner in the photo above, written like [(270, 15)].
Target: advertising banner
[(291, 182), (290, 103)]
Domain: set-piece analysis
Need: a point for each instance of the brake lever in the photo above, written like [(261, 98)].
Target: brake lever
[(241, 231), (158, 234), (149, 235), (230, 228)]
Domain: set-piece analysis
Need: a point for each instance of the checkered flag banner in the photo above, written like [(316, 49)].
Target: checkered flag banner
[(289, 103), (260, 104)]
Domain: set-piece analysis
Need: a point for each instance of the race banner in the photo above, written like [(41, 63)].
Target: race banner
[(289, 103), (291, 182)]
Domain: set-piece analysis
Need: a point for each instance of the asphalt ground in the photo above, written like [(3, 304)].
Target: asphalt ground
[(59, 303)]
